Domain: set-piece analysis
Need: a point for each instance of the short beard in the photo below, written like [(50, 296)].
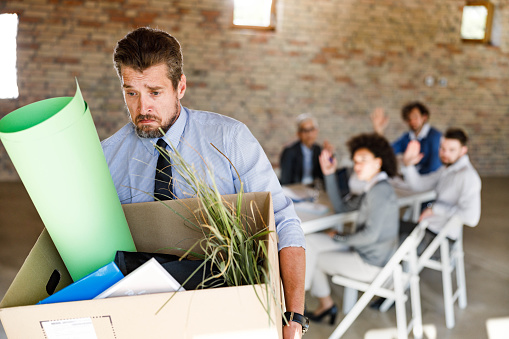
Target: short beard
[(158, 132)]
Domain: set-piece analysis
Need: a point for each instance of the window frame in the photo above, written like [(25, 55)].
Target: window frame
[(16, 76), (271, 27), (489, 21)]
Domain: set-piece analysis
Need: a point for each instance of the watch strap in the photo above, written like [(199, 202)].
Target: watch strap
[(298, 318)]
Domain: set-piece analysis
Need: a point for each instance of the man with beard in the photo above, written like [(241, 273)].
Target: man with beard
[(457, 184), (149, 64), (416, 116)]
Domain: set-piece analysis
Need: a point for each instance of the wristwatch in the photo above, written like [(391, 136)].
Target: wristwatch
[(298, 318)]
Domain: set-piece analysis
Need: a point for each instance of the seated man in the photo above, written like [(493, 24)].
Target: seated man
[(457, 184), (416, 115), (299, 161)]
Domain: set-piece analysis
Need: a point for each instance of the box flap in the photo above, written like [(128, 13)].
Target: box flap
[(29, 285)]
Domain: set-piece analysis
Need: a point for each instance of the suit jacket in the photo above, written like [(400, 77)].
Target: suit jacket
[(292, 163)]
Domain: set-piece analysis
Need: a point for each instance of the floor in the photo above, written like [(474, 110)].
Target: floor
[(486, 253)]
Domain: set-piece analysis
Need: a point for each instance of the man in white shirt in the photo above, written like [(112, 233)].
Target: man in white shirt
[(457, 184)]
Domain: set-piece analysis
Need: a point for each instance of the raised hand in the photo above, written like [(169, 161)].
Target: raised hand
[(379, 120), (412, 154), (328, 162), (328, 146)]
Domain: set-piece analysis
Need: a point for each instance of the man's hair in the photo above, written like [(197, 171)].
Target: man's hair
[(458, 134), (379, 146), (405, 111), (146, 47), (305, 117)]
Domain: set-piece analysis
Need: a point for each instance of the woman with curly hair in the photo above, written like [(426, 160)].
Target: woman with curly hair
[(360, 255)]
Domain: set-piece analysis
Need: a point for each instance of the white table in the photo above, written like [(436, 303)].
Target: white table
[(315, 221)]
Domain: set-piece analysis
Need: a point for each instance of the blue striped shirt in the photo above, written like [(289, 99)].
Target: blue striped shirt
[(132, 161)]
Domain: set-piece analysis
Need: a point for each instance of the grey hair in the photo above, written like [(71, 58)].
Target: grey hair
[(305, 117)]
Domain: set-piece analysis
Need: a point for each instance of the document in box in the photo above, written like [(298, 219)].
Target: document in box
[(150, 277)]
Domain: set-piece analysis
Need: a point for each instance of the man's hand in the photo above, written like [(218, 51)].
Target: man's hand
[(412, 154), (379, 120), (292, 266), (328, 162), (330, 232), (428, 212), (292, 331)]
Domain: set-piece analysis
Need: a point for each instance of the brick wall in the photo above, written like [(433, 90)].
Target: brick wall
[(336, 58)]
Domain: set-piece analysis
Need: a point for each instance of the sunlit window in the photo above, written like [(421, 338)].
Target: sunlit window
[(254, 13), (476, 21), (8, 78)]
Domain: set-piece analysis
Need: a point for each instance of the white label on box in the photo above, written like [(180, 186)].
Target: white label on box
[(80, 328)]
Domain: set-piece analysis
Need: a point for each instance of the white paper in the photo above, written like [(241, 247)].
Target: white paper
[(150, 277), (79, 328)]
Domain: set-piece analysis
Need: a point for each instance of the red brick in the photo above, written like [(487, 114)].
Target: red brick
[(88, 23), (232, 44), (255, 87), (319, 59), (66, 60)]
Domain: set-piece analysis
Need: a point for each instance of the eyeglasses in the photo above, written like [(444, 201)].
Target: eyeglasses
[(306, 130)]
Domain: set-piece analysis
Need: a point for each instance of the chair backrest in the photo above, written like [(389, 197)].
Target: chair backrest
[(452, 223), (392, 269), (408, 245)]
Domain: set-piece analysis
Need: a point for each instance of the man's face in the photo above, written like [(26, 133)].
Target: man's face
[(151, 99), (416, 120), (307, 133), (450, 151)]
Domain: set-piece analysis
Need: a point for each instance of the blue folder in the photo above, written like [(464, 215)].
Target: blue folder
[(87, 287)]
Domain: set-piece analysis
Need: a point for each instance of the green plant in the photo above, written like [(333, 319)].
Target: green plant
[(232, 242)]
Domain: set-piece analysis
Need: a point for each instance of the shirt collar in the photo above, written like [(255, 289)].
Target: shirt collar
[(422, 134), (377, 178), (172, 137), (304, 148), (459, 164)]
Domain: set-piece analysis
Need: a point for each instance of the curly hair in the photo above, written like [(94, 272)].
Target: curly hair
[(379, 146), (405, 111)]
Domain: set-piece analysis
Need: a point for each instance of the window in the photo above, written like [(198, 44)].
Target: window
[(477, 21), (256, 14), (8, 80)]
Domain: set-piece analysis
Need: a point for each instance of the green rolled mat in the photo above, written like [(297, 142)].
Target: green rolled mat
[(56, 151)]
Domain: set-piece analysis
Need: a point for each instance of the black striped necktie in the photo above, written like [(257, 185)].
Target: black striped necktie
[(163, 187)]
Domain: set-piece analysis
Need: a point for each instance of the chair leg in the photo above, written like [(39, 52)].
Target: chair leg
[(447, 284), (460, 274), (415, 297), (349, 299), (399, 290), (348, 320), (386, 305)]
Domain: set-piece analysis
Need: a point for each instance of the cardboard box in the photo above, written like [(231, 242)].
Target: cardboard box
[(229, 312)]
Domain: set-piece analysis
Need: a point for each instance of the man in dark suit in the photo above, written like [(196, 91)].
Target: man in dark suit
[(299, 161)]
